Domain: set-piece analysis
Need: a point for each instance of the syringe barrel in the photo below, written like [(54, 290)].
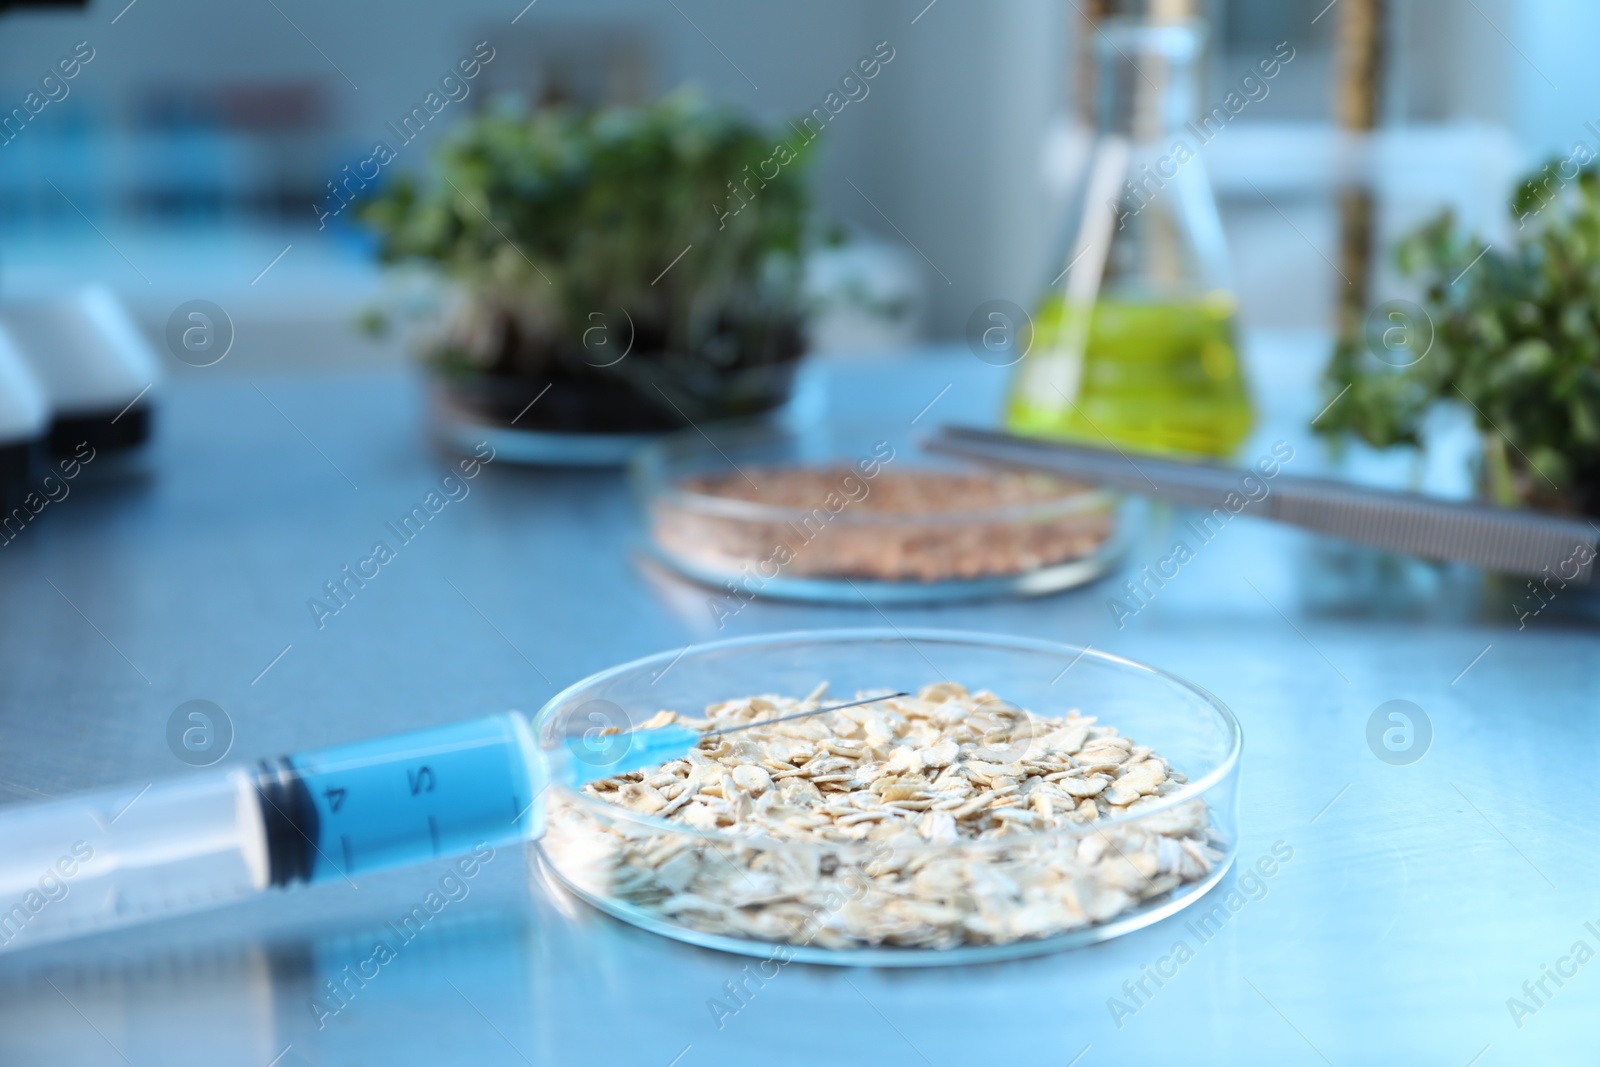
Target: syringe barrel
[(84, 864), (79, 865), (337, 812)]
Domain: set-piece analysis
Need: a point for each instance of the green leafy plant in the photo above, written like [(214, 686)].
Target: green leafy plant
[(573, 236), (1516, 336)]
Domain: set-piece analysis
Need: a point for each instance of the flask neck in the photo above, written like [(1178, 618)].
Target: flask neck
[(1146, 76)]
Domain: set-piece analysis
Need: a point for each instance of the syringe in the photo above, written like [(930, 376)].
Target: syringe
[(86, 864)]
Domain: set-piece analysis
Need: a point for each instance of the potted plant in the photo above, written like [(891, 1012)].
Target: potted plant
[(632, 270), (1515, 335)]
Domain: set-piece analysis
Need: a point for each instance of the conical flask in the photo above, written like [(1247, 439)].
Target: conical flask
[(1134, 341)]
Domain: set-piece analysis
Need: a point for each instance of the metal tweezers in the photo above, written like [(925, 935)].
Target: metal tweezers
[(1508, 540)]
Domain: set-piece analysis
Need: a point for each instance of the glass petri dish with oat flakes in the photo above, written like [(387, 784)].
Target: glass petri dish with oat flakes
[(838, 512), (1021, 797)]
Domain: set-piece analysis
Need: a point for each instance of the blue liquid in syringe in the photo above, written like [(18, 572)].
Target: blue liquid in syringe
[(404, 799)]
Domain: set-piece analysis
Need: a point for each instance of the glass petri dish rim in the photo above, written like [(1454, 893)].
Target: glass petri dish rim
[(1190, 791), (825, 589), (1168, 905), (652, 461)]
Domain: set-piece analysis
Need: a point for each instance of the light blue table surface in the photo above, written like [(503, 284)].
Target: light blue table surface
[(1418, 898)]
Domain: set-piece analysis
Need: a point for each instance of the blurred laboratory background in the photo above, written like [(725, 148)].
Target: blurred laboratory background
[(196, 143), (314, 260)]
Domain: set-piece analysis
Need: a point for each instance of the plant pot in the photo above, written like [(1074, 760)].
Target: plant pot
[(585, 416), (1510, 479)]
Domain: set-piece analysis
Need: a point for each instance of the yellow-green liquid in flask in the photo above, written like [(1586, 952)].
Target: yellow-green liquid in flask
[(1159, 376)]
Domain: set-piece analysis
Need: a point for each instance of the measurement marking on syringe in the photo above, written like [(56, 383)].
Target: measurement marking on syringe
[(433, 834), (344, 845)]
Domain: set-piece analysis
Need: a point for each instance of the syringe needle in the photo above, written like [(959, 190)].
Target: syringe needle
[(803, 714), (634, 750)]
